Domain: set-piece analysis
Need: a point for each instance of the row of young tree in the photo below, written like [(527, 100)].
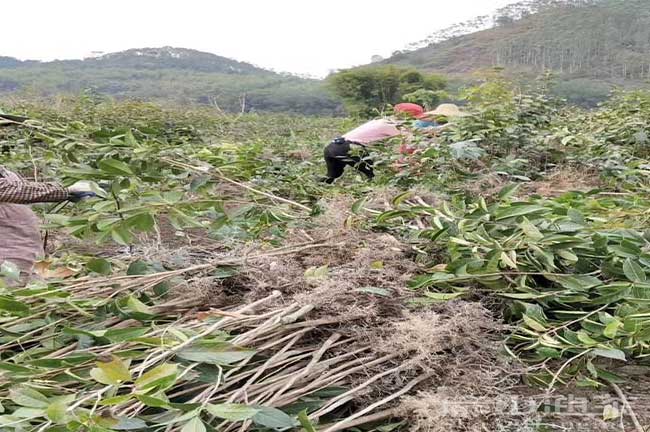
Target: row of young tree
[(611, 39)]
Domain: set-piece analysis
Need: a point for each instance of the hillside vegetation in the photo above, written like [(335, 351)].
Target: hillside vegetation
[(174, 75), (590, 44)]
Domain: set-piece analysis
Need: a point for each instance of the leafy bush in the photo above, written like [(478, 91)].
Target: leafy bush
[(366, 91)]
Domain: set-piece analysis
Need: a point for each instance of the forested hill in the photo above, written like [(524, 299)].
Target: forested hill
[(174, 58), (590, 44), (169, 74)]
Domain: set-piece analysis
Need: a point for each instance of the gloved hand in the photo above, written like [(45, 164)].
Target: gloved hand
[(81, 190)]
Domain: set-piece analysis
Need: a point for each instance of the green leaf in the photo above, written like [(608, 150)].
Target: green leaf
[(28, 397), (121, 235), (29, 413), (508, 190), (199, 182), (273, 418), (126, 423), (137, 306), (633, 271), (114, 166), (399, 199), (522, 296), (116, 400), (183, 220), (130, 139), (15, 369), (569, 256), (584, 337), (137, 268), (530, 230), (546, 353), (440, 297), (305, 423), (219, 354), (125, 334), (106, 224), (142, 221), (612, 328), (156, 375), (392, 214), (358, 205), (575, 282), (100, 265), (519, 210), (232, 411), (610, 353), (56, 412), (13, 306), (194, 425), (507, 260), (114, 369), (153, 401), (530, 322), (99, 376)]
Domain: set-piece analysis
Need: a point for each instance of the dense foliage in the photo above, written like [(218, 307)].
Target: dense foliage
[(572, 266), (535, 209)]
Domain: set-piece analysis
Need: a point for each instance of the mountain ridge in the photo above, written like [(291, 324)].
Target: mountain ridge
[(152, 57), (167, 73)]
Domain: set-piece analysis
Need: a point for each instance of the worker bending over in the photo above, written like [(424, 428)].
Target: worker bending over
[(337, 153)]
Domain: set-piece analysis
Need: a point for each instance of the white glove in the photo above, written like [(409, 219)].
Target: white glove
[(85, 189), (81, 186)]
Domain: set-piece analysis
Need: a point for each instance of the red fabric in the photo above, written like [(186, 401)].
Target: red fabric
[(406, 149), (414, 110)]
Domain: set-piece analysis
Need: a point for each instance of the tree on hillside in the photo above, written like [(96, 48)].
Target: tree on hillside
[(371, 89)]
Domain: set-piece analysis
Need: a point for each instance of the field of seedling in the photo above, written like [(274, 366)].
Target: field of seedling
[(215, 284)]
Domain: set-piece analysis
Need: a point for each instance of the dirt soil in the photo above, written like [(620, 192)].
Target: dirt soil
[(555, 183), (563, 180)]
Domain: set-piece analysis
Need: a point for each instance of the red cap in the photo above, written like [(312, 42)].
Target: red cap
[(414, 110)]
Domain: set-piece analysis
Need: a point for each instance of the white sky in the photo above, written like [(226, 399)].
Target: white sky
[(300, 36)]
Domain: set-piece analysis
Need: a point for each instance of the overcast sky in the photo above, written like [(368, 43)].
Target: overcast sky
[(299, 36)]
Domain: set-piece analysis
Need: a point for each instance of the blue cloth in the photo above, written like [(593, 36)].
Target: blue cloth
[(421, 124)]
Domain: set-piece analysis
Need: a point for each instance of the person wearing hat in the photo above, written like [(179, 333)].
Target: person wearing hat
[(338, 153), (447, 110), (414, 111), (409, 109), (442, 114), (19, 226)]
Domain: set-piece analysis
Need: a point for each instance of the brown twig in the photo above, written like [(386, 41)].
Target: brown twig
[(344, 423), (381, 415), (628, 407)]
